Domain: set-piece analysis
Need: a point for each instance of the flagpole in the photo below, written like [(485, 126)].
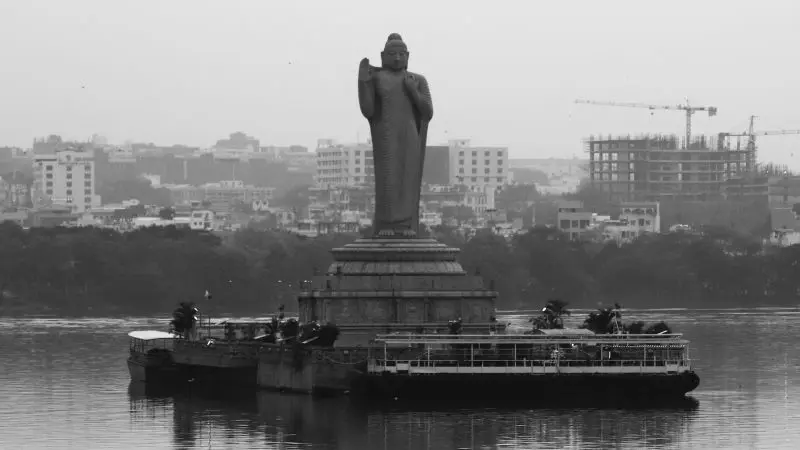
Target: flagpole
[(208, 322)]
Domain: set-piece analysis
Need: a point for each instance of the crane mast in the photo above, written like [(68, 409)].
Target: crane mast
[(751, 140), (690, 110)]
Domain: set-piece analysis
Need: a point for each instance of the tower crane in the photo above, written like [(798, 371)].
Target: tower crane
[(690, 110), (751, 141)]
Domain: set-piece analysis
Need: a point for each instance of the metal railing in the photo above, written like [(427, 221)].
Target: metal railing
[(530, 362), (423, 366), (477, 339)]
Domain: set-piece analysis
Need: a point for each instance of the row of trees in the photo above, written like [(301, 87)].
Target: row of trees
[(149, 271), (606, 320)]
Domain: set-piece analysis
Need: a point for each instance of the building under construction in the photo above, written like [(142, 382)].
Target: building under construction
[(657, 167)]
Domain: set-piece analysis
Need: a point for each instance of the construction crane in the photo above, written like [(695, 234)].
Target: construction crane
[(690, 110), (751, 141)]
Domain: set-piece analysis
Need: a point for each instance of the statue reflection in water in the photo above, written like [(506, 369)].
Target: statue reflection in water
[(251, 419)]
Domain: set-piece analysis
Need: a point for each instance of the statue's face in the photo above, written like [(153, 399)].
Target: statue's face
[(395, 57)]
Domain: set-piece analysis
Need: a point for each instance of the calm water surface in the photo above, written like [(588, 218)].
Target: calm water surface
[(64, 384)]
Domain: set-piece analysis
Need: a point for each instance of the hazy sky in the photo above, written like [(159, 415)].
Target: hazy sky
[(501, 72)]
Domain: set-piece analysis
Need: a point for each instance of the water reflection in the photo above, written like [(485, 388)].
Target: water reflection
[(223, 419), (67, 386)]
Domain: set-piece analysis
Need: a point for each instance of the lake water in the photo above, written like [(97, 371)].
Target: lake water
[(64, 384)]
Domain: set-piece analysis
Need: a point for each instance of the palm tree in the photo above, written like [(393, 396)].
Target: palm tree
[(604, 320), (552, 316), (184, 318)]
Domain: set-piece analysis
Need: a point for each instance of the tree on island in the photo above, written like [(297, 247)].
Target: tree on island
[(184, 318), (604, 320), (552, 315), (609, 321)]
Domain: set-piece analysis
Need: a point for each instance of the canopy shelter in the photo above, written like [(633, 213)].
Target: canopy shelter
[(150, 335)]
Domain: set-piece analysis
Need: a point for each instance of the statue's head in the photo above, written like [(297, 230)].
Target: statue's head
[(395, 54)]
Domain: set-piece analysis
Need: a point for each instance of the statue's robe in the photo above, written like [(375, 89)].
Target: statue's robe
[(399, 129)]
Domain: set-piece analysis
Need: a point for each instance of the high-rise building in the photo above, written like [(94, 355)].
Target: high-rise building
[(478, 167), (340, 165), (650, 168), (67, 178)]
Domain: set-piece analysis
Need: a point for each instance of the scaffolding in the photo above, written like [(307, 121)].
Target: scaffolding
[(654, 167)]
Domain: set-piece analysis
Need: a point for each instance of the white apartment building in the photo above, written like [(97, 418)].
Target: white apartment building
[(65, 178), (478, 167), (343, 165)]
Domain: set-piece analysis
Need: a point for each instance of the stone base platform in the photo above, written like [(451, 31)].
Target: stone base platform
[(385, 285)]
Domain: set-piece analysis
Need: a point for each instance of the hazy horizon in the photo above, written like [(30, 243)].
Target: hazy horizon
[(501, 73)]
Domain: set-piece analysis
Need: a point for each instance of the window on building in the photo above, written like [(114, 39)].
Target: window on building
[(499, 170), (474, 153), (49, 184), (461, 162), (69, 191), (486, 179), (461, 153), (69, 183), (474, 170), (48, 167), (499, 153), (563, 224), (358, 152), (461, 170), (499, 179), (87, 200), (49, 176), (499, 162), (474, 179), (69, 176), (49, 192), (487, 162), (358, 169), (69, 168), (88, 184), (474, 162), (88, 175)]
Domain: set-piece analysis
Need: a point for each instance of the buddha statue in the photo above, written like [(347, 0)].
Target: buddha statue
[(397, 103)]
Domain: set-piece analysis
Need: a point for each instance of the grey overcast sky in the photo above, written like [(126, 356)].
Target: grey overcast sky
[(501, 72)]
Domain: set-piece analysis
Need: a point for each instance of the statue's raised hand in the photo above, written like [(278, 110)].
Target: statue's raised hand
[(364, 70)]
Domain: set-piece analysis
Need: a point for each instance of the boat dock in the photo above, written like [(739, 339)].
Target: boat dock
[(533, 354), (516, 366)]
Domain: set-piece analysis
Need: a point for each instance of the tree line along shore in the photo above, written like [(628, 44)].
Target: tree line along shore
[(100, 272)]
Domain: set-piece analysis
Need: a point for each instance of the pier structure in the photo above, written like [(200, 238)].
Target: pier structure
[(530, 366)]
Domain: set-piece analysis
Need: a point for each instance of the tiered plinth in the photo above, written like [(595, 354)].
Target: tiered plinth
[(404, 285)]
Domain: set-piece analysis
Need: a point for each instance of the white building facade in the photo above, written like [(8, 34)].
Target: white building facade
[(344, 165), (478, 167), (65, 178)]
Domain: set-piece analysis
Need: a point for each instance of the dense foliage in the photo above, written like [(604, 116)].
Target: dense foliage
[(98, 271), (602, 321)]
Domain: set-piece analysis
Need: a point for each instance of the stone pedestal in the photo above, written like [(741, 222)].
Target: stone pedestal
[(397, 285)]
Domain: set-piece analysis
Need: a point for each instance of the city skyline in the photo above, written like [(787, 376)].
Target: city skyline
[(189, 73)]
